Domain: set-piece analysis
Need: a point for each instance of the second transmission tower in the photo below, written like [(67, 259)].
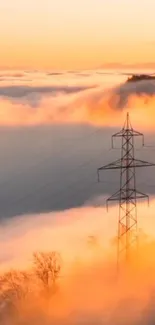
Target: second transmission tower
[(127, 195)]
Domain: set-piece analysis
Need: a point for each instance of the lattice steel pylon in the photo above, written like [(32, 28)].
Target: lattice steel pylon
[(128, 194)]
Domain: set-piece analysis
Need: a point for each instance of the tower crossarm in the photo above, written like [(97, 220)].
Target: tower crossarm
[(122, 163), (130, 132), (122, 196), (127, 131)]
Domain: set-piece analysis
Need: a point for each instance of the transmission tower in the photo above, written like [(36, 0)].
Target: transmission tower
[(127, 195)]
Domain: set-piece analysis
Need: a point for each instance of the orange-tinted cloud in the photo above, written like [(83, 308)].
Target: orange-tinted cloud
[(88, 289), (96, 106)]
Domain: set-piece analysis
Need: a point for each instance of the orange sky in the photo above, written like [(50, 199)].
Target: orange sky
[(67, 34)]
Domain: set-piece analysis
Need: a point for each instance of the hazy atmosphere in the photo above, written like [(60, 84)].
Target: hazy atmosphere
[(55, 132), (73, 74), (71, 34)]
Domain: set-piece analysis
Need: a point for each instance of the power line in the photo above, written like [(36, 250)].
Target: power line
[(127, 195), (71, 185), (64, 188)]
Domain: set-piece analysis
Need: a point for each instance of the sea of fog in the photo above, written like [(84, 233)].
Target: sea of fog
[(55, 131)]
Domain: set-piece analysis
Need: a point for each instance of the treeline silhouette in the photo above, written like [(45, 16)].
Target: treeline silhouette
[(24, 295)]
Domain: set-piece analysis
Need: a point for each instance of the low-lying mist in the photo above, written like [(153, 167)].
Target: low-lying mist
[(71, 98), (61, 269)]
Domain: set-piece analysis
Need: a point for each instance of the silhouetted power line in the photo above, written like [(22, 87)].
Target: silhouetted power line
[(128, 194)]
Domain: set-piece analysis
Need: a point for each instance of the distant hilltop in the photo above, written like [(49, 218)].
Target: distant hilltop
[(141, 77)]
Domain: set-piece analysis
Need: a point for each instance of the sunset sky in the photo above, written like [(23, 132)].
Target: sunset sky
[(71, 34)]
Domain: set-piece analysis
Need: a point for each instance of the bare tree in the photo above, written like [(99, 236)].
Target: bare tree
[(14, 289), (47, 267)]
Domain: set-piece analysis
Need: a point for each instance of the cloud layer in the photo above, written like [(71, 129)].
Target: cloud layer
[(58, 98), (88, 290)]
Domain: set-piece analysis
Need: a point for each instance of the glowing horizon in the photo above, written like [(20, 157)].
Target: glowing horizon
[(76, 34)]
